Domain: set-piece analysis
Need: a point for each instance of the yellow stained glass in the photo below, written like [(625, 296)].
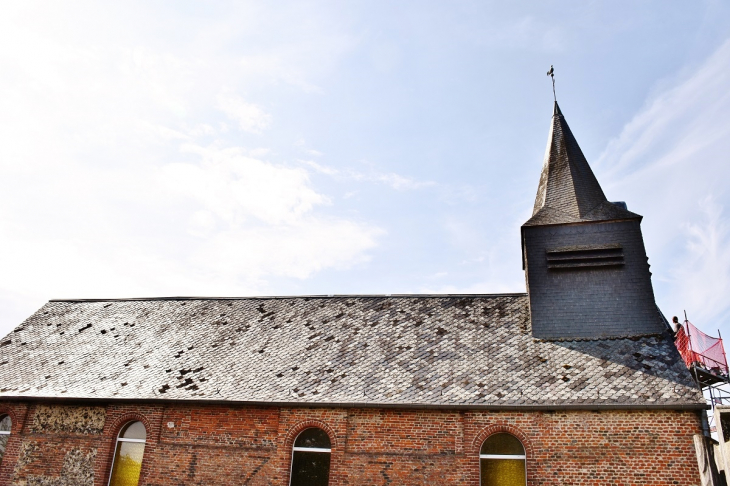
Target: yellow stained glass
[(127, 464), (503, 472), (502, 444)]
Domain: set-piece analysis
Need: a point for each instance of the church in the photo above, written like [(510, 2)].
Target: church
[(575, 382)]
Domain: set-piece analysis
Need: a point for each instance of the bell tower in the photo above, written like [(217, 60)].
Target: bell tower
[(584, 258)]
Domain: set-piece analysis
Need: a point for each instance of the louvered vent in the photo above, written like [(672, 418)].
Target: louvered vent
[(589, 256)]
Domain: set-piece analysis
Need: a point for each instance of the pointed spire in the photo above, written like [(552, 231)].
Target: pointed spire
[(568, 191)]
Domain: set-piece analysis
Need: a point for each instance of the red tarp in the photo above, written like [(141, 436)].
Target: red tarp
[(697, 347)]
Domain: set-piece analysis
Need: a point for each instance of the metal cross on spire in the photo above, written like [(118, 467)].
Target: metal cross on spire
[(551, 73)]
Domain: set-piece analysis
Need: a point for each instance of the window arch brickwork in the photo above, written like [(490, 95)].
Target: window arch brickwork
[(288, 444), (12, 413), (295, 430), (495, 428), (119, 422), (111, 432), (17, 413), (483, 434)]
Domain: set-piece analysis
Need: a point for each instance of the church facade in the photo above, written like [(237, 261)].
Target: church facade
[(575, 382)]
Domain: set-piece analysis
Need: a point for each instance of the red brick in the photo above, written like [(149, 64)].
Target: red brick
[(221, 445)]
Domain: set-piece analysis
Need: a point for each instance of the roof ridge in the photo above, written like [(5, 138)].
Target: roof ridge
[(264, 297)]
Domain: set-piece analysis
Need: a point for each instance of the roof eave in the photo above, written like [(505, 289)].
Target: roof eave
[(588, 221), (388, 405)]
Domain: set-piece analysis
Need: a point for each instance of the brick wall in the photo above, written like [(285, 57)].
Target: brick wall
[(209, 445)]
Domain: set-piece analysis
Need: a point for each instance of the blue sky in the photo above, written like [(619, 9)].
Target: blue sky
[(315, 147)]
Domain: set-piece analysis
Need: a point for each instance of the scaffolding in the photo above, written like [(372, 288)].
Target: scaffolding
[(705, 358)]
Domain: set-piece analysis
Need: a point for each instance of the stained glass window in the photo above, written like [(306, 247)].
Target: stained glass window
[(5, 426), (128, 455), (310, 465), (502, 461)]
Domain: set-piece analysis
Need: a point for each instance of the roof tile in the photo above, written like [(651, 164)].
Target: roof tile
[(403, 350)]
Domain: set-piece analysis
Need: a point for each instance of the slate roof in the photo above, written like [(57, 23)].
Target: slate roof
[(450, 351), (568, 191)]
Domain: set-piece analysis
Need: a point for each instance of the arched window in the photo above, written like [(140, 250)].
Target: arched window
[(502, 461), (5, 426), (310, 462), (128, 455)]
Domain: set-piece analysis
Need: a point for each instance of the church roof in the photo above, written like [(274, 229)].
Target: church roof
[(472, 351), (568, 191)]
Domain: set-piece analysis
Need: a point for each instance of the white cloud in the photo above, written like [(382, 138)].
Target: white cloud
[(703, 274), (236, 187), (120, 176), (259, 152), (250, 117), (257, 219), (202, 223), (223, 223), (295, 250), (395, 181), (670, 160), (483, 287), (322, 169), (677, 123)]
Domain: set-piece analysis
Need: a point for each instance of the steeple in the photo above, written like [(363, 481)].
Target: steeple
[(568, 191), (585, 263)]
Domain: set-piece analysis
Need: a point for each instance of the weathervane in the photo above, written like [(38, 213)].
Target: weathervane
[(551, 73)]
